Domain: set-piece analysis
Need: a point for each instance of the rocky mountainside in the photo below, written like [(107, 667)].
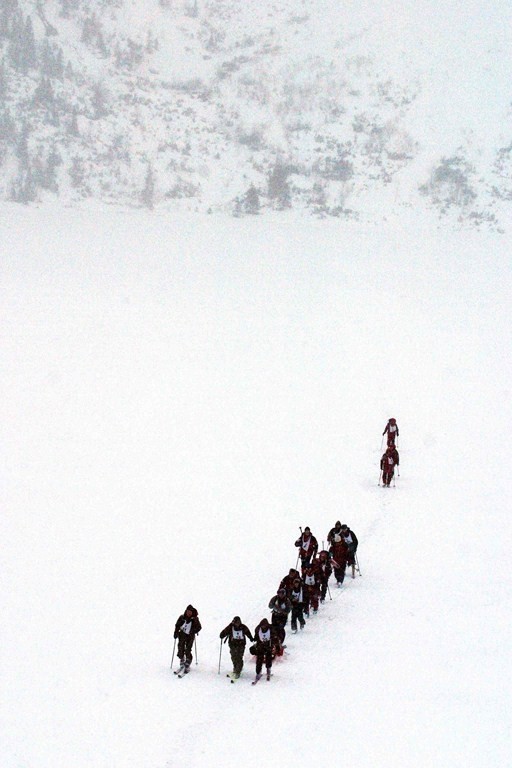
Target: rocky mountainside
[(337, 109)]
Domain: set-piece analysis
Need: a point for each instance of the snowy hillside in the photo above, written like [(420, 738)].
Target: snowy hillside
[(172, 413), (352, 109)]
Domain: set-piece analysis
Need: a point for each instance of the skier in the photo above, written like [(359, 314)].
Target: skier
[(392, 429), (287, 581), (308, 546), (336, 531), (280, 606), (185, 631), (339, 554), (297, 600), (352, 542), (311, 580), (262, 648), (324, 570), (236, 634), (389, 460)]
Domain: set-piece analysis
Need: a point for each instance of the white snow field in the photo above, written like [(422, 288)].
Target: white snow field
[(179, 394)]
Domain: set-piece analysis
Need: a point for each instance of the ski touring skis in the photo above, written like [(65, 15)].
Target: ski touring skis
[(256, 679), (182, 671)]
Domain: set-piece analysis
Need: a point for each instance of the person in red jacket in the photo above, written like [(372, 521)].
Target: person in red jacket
[(312, 587), (339, 556), (308, 546), (287, 581), (388, 462), (392, 431), (324, 571)]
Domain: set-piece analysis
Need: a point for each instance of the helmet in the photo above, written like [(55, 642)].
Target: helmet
[(344, 527), (237, 620), (392, 421)]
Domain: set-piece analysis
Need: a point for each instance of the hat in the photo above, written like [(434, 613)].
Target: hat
[(237, 620)]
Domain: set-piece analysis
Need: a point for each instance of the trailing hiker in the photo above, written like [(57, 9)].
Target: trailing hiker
[(185, 631)]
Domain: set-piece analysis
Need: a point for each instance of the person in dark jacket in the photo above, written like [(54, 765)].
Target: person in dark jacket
[(392, 431), (324, 570), (185, 631), (352, 542), (298, 601), (308, 546), (280, 605), (236, 634), (336, 531), (390, 459), (264, 639)]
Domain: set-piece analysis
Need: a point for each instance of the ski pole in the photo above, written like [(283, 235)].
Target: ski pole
[(329, 591), (173, 649), (357, 563), (195, 647), (220, 654), (298, 556), (380, 476)]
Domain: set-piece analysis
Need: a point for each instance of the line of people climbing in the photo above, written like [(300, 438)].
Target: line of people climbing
[(298, 596), (299, 593)]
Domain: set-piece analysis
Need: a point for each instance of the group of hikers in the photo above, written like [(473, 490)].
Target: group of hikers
[(299, 594), (390, 458)]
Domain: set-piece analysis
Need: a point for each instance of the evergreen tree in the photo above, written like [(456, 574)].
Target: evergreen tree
[(73, 129), (279, 192), (99, 101), (22, 150), (22, 48), (148, 193)]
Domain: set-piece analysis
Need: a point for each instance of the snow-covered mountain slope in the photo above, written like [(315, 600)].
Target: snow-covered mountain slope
[(347, 109), (173, 411)]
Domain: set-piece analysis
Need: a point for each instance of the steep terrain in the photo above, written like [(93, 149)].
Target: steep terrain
[(341, 109)]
